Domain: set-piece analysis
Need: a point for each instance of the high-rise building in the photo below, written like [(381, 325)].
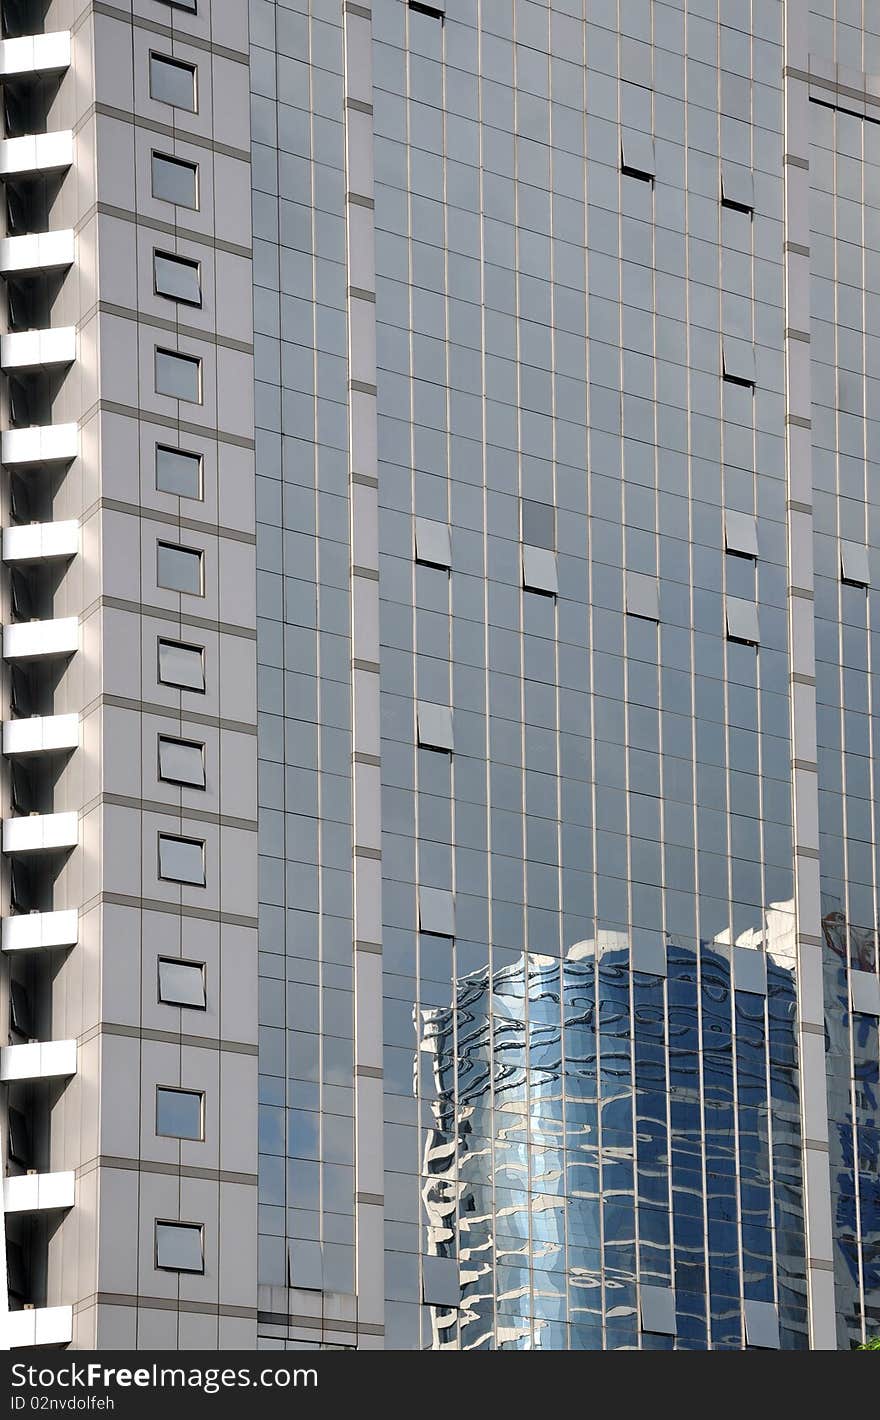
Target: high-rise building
[(440, 504)]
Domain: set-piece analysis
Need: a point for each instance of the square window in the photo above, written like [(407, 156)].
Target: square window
[(172, 82), (179, 1113), (737, 187), (750, 970), (437, 911), (182, 860), (637, 154), (738, 360), (539, 570), (175, 180), (864, 990), (182, 761), (762, 1325), (538, 521), (180, 1247), (178, 472), (179, 569), (742, 620), (305, 1265), (657, 1305), (434, 725), (179, 376), (433, 543), (854, 563), (182, 983), (441, 1285), (647, 952), (642, 596), (182, 665), (178, 278), (740, 533)]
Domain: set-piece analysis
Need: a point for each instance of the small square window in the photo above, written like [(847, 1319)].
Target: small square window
[(437, 911), (538, 523), (441, 1284), (182, 983), (179, 569), (434, 725), (738, 360), (637, 154), (657, 1305), (737, 187), (642, 596), (180, 1247), (762, 1325), (647, 952), (178, 472), (433, 543), (750, 970), (175, 180), (179, 1113), (182, 860), (740, 534), (182, 761), (177, 278), (182, 665), (179, 376), (539, 570), (854, 563), (742, 620), (864, 989), (305, 1265), (172, 82)]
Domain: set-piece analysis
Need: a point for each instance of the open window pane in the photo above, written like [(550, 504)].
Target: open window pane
[(179, 1113), (178, 472), (172, 82), (182, 761), (182, 860), (177, 278), (179, 1247), (175, 181), (182, 983), (179, 568), (182, 665), (179, 376)]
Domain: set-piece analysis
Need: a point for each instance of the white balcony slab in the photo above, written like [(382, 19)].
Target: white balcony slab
[(41, 734), (38, 1192), (41, 542), (37, 349), (37, 251), (35, 54), (38, 1060), (40, 1326), (40, 931), (40, 833), (36, 153), (33, 640), (40, 443)]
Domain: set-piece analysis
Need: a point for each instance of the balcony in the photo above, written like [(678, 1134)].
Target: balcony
[(40, 1326), (38, 1192), (41, 734), (35, 54), (38, 1060), (37, 349), (40, 931), (40, 443), (36, 153), (37, 251), (37, 640), (40, 833), (41, 542)]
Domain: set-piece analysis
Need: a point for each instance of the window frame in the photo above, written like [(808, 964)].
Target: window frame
[(198, 966), (172, 161), (198, 1095)]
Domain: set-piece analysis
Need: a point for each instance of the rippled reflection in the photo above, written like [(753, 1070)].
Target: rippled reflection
[(595, 1126)]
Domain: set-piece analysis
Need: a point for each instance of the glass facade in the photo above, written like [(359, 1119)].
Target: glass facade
[(594, 917)]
